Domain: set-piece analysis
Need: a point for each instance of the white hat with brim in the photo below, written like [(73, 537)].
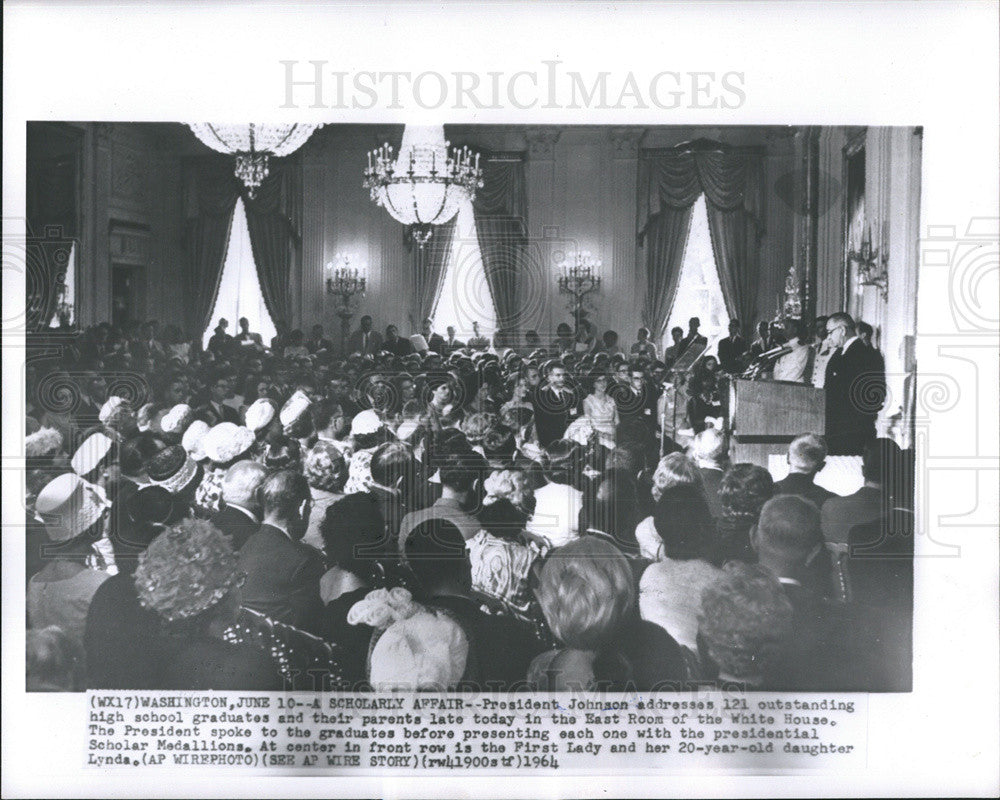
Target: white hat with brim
[(91, 454), (193, 439), (69, 506), (227, 441)]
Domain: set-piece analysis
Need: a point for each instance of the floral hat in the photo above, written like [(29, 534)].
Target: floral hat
[(260, 414), (186, 570), (193, 439), (176, 421), (227, 441)]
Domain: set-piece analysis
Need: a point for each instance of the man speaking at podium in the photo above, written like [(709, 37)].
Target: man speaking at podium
[(855, 388)]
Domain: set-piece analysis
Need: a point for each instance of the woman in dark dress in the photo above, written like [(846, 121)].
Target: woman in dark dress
[(189, 576)]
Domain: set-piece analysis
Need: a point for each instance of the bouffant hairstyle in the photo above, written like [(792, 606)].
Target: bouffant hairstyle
[(349, 524), (745, 621), (585, 590), (744, 489), (674, 470)]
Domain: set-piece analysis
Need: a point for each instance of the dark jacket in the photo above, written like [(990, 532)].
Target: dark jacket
[(553, 413), (282, 578), (711, 478), (855, 393), (804, 486), (731, 353), (236, 524)]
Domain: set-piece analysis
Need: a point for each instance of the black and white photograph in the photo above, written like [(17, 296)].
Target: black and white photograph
[(560, 416), (556, 407)]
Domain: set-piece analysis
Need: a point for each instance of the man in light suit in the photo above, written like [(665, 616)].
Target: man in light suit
[(365, 340), (855, 388)]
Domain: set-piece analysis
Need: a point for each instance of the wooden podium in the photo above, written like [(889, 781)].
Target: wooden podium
[(764, 416)]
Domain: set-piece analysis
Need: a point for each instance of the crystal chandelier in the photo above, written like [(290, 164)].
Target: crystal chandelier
[(253, 144), (425, 184)]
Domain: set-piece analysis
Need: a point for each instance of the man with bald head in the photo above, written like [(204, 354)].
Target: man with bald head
[(239, 511), (806, 457)]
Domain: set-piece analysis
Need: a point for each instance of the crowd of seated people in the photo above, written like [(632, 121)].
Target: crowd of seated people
[(435, 517)]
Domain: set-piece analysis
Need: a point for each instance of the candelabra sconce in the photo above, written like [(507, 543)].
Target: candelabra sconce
[(578, 280), (870, 265), (346, 281)]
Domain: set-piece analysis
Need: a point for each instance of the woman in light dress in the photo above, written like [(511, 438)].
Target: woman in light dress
[(599, 407)]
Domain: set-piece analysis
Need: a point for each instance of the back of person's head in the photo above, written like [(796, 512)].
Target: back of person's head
[(283, 493), (585, 590), (710, 445), (325, 468), (241, 484), (684, 522), (745, 622), (611, 509), (807, 453), (54, 661), (788, 532), (351, 523), (394, 466), (562, 461), (137, 451), (460, 468), (282, 452), (503, 519), (744, 488), (436, 555), (673, 470), (878, 455)]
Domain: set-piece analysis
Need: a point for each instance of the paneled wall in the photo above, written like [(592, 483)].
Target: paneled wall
[(131, 214)]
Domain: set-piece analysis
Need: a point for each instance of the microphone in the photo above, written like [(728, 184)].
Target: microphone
[(775, 352)]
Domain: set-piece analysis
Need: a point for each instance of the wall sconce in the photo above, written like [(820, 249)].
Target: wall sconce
[(346, 280), (579, 278), (870, 265)]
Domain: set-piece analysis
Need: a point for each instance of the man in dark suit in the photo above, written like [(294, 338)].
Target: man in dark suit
[(435, 341), (806, 457), (218, 391), (732, 350), (694, 339), (636, 398), (451, 344), (317, 342), (855, 388), (555, 405), (365, 340), (841, 514), (283, 573), (239, 514), (396, 344)]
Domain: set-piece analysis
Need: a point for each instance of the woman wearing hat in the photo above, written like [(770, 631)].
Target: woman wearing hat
[(75, 514), (189, 577), (223, 445)]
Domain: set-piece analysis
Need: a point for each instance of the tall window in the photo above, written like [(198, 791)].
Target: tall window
[(239, 290), (465, 296), (699, 292)]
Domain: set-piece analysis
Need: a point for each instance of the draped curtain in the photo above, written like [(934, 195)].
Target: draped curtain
[(274, 220), (429, 264), (669, 183), (501, 212), (210, 197)]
